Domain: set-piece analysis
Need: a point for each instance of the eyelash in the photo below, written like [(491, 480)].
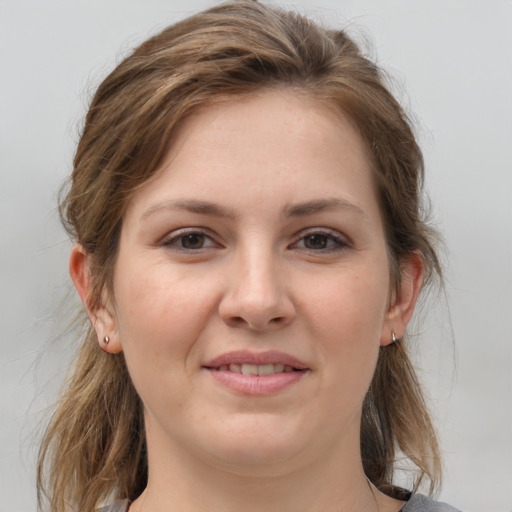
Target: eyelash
[(336, 242), (176, 241)]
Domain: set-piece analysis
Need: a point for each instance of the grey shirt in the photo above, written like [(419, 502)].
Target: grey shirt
[(420, 503), (417, 503)]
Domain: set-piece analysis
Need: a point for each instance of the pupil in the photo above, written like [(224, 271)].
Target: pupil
[(316, 241), (193, 241)]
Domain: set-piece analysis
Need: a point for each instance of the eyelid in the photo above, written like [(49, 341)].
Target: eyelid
[(341, 241), (170, 239)]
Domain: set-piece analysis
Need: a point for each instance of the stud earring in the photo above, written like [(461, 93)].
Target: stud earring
[(106, 340), (393, 337)]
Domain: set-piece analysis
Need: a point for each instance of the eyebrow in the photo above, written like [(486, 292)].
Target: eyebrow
[(290, 210), (193, 206), (315, 206)]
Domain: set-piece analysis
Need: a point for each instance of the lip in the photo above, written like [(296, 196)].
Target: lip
[(256, 385), (248, 357)]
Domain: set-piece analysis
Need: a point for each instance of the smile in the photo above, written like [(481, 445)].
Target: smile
[(257, 374), (257, 369)]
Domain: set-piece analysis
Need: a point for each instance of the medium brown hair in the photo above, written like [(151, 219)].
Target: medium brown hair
[(94, 448)]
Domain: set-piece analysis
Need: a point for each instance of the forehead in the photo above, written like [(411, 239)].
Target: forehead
[(281, 116), (276, 145)]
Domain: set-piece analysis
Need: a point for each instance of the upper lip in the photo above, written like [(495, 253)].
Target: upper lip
[(257, 358)]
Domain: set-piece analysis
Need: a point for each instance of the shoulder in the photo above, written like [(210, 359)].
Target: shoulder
[(118, 506), (420, 503)]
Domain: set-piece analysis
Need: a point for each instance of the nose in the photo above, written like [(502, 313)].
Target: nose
[(256, 297)]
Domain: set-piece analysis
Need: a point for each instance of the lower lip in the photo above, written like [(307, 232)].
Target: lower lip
[(257, 385)]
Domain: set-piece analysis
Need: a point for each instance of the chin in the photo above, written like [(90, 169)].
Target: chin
[(256, 443)]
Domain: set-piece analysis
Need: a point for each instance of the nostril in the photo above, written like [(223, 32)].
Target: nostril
[(238, 321)]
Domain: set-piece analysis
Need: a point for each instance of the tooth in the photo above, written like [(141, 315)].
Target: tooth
[(266, 369), (249, 369), (259, 369)]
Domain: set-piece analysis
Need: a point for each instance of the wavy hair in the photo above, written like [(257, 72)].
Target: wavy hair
[(94, 448)]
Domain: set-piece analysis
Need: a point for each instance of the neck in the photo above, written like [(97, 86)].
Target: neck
[(333, 482), (219, 490)]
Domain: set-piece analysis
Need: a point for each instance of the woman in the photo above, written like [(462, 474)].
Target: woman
[(250, 247)]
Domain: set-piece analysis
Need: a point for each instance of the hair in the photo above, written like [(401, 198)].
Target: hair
[(94, 448)]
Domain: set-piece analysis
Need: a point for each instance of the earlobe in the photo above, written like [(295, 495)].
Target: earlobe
[(404, 299), (102, 319)]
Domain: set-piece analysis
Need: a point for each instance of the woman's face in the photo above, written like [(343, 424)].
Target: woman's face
[(252, 289)]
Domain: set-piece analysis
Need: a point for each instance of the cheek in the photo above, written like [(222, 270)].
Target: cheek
[(346, 322), (351, 306), (160, 318), (160, 312)]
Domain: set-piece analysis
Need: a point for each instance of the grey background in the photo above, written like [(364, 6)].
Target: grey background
[(451, 60)]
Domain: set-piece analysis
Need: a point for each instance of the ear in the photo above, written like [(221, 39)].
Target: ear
[(403, 300), (103, 320)]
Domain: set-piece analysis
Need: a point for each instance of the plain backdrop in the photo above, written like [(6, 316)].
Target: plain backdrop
[(452, 67)]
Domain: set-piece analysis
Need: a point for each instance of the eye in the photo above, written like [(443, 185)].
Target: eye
[(316, 241), (189, 241), (320, 241)]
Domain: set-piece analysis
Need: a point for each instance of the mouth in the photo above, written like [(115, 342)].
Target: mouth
[(256, 369), (250, 373), (256, 363)]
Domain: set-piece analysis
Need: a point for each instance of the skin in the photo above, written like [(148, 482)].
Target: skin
[(252, 278)]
